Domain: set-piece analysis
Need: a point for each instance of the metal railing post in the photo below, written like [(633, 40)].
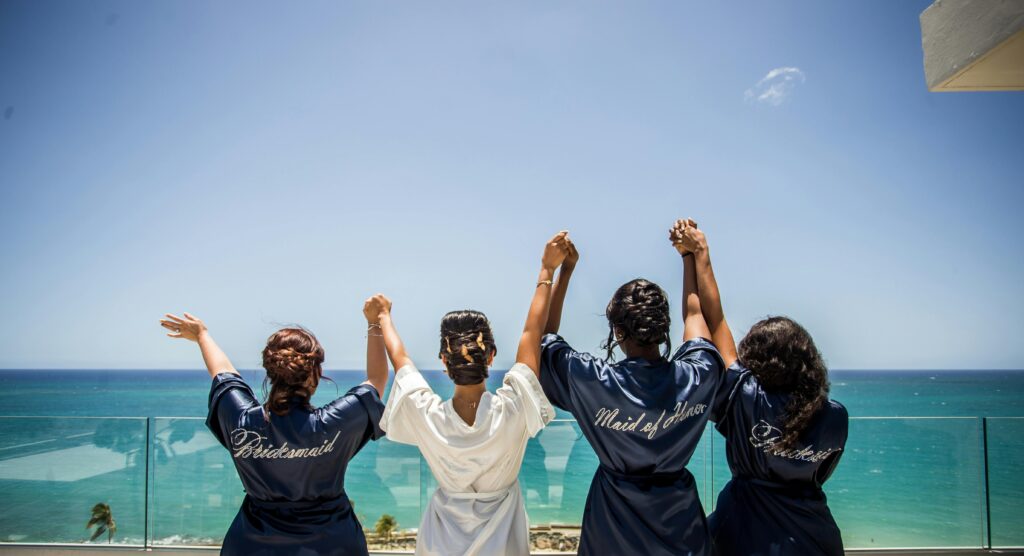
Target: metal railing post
[(988, 496), (145, 533)]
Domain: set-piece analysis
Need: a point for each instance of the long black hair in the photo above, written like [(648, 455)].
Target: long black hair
[(638, 311), (783, 357), (467, 345)]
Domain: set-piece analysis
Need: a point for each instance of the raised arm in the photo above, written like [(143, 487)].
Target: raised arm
[(376, 356), (694, 325), (528, 354), (392, 341), (693, 240), (188, 327), (561, 287)]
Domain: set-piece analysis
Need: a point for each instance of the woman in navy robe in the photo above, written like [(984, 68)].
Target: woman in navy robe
[(643, 416), (290, 456), (784, 436)]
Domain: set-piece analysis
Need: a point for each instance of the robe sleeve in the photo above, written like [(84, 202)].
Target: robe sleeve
[(559, 366), (730, 389), (839, 421), (523, 391), (359, 412), (230, 398), (409, 401)]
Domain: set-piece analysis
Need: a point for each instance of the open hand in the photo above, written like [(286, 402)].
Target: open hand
[(375, 307), (187, 327), (555, 250)]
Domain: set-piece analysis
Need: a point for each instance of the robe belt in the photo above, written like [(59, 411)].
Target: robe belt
[(479, 495), (794, 490), (657, 479), (339, 504)]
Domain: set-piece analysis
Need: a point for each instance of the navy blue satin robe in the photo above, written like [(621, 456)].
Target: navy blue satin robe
[(293, 469), (774, 505), (643, 419)]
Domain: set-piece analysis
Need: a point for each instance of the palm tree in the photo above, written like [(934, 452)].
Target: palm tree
[(385, 526), (103, 519)]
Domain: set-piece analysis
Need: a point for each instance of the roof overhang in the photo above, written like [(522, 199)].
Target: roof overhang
[(973, 45)]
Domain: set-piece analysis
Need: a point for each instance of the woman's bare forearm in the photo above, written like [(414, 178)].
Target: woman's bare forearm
[(529, 343), (216, 360), (558, 300), (694, 325), (376, 359), (393, 343), (711, 306)]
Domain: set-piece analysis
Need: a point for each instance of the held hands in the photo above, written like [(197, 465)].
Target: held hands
[(686, 237), (188, 328), (376, 307), (572, 256), (556, 250)]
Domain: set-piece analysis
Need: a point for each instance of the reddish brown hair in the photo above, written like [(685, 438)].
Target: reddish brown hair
[(292, 359)]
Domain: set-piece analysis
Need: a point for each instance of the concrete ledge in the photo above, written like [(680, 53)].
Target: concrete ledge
[(96, 550)]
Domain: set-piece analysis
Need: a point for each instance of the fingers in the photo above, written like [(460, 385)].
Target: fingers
[(560, 236), (190, 317), (175, 318), (170, 325), (174, 335)]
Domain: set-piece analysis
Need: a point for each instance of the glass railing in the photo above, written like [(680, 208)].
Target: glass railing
[(903, 483), (910, 483), (1005, 456), (55, 470)]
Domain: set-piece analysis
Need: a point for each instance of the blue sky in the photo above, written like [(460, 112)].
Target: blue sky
[(261, 164)]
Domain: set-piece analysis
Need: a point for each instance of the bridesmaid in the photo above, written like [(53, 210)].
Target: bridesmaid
[(474, 443), (290, 456), (643, 416), (784, 437)]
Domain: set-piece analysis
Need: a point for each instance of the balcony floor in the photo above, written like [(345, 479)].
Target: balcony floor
[(64, 550)]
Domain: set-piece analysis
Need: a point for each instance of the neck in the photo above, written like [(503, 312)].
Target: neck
[(469, 392), (651, 353)]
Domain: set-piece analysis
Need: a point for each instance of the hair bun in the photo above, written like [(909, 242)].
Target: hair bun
[(293, 360), (639, 311), (467, 345)]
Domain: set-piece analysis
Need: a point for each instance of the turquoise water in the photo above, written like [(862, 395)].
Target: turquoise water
[(904, 481)]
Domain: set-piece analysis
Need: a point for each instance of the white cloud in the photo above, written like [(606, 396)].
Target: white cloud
[(776, 86)]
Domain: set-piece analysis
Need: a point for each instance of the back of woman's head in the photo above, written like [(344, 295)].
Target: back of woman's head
[(292, 359), (783, 357), (467, 346), (639, 312)]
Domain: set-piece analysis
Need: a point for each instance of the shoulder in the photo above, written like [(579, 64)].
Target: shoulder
[(409, 378), (359, 399), (837, 410), (555, 345), (698, 351), (234, 387)]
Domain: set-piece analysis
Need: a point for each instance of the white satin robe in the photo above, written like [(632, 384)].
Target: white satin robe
[(478, 507)]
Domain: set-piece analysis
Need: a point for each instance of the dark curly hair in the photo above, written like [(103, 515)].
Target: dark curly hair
[(467, 345), (638, 311), (783, 357), (293, 359)]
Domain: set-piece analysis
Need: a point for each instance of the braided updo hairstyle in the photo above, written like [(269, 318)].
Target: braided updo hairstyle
[(467, 346), (638, 311), (783, 357), (292, 359)]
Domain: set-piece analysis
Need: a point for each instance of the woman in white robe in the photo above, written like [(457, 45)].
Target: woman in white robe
[(474, 442)]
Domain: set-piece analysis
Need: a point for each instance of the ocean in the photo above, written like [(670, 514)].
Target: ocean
[(914, 473)]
